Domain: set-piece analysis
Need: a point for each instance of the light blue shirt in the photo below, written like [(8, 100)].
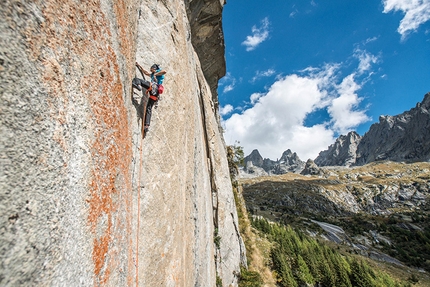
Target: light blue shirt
[(160, 79)]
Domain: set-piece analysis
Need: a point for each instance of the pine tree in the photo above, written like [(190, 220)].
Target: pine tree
[(342, 269), (311, 258), (359, 277), (302, 273), (283, 270), (328, 279)]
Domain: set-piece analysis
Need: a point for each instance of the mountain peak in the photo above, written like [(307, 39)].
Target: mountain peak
[(426, 102), (404, 137), (255, 158), (257, 166), (341, 153)]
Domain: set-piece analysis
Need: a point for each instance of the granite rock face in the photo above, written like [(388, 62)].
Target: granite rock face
[(85, 201), (289, 162), (341, 153), (404, 137), (252, 165), (208, 40)]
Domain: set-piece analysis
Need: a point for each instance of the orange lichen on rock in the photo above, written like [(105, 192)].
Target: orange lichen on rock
[(124, 13), (76, 39), (111, 153)]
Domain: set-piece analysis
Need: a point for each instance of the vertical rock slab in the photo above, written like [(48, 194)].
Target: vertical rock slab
[(84, 200), (66, 216), (187, 196)]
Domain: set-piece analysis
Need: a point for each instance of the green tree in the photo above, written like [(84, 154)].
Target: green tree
[(311, 257), (249, 278), (302, 273), (284, 275), (300, 260), (235, 158), (328, 277), (359, 277), (342, 269)]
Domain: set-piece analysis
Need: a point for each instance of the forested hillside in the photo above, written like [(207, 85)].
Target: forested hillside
[(300, 260), (363, 226)]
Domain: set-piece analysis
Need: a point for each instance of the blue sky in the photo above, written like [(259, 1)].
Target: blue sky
[(301, 73)]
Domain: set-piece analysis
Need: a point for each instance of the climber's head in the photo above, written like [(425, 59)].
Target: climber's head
[(154, 68)]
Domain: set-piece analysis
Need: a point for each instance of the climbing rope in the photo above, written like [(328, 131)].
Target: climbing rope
[(139, 187)]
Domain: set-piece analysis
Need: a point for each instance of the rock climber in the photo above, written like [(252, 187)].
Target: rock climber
[(155, 88)]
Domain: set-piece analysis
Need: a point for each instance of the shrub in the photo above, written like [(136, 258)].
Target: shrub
[(249, 278)]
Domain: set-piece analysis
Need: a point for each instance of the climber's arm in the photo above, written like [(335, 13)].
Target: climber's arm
[(162, 72), (142, 70)]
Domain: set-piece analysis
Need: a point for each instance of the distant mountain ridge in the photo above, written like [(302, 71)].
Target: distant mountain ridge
[(257, 166), (404, 137)]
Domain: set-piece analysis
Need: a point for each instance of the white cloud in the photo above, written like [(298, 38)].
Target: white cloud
[(225, 110), (365, 60), (276, 120), (343, 109), (416, 13), (229, 88), (258, 36), (369, 40), (261, 74), (229, 82), (254, 97), (292, 14), (227, 78)]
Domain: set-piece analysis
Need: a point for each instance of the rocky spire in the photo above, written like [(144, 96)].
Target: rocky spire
[(341, 153), (289, 162), (255, 158)]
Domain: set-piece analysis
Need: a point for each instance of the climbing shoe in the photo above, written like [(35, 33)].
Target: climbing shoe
[(137, 87), (136, 84)]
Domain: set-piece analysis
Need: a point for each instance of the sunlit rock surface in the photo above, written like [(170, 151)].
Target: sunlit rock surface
[(85, 201)]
